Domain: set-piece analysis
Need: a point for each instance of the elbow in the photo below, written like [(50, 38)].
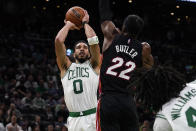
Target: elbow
[(58, 40)]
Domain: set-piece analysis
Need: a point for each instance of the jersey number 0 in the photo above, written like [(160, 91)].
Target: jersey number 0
[(78, 87)]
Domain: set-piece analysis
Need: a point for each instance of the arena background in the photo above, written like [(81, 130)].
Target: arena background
[(28, 66)]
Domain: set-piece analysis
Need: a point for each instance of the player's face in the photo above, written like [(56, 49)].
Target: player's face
[(81, 52)]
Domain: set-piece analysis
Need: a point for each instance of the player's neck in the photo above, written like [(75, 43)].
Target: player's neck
[(77, 62)]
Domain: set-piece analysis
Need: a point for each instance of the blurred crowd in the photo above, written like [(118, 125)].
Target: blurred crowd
[(31, 94)]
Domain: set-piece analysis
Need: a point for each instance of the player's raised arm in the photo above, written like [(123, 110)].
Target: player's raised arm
[(107, 26), (60, 49), (147, 58), (93, 42)]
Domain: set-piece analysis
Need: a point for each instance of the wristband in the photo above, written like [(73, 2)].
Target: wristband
[(84, 22), (93, 40)]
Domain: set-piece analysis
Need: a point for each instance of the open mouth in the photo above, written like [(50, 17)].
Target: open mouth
[(81, 53)]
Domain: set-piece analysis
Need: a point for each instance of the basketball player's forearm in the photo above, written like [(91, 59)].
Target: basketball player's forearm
[(60, 48), (105, 10), (95, 55), (59, 42), (62, 34), (89, 31), (94, 46)]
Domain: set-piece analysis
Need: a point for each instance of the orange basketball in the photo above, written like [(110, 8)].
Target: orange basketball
[(75, 15)]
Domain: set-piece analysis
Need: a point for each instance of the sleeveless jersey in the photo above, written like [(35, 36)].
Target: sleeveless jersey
[(181, 112), (119, 60), (80, 85)]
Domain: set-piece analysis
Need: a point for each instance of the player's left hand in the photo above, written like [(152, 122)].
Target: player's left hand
[(86, 16)]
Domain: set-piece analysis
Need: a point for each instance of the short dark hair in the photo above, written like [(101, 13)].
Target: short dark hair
[(81, 41), (157, 86), (133, 25)]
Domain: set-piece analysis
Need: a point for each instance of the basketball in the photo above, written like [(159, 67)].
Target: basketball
[(75, 15)]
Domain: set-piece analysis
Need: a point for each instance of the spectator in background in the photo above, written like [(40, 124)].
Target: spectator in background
[(13, 111), (37, 128), (49, 113), (13, 125), (60, 122), (27, 100), (42, 87), (25, 125), (64, 128), (57, 128), (60, 101), (50, 101), (2, 117), (38, 124), (145, 126), (15, 98), (2, 120), (52, 91), (38, 102), (2, 127), (63, 112), (50, 127), (30, 82)]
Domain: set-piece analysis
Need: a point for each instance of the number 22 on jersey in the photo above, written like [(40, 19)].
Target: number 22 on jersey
[(119, 62)]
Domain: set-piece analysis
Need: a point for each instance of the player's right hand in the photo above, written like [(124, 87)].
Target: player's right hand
[(71, 25)]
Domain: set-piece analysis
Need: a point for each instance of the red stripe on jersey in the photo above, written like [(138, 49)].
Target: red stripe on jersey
[(99, 86), (98, 126)]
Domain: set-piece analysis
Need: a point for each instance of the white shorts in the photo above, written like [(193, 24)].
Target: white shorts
[(82, 123)]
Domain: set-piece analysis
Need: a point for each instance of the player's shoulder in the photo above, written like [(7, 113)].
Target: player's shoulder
[(162, 125), (160, 115), (192, 82), (189, 87)]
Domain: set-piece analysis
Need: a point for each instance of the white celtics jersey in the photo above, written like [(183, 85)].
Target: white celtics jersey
[(80, 85), (181, 112)]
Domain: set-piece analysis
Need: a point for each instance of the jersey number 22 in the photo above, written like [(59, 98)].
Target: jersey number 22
[(118, 63)]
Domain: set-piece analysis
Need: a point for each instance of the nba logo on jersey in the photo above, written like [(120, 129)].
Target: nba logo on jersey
[(129, 40)]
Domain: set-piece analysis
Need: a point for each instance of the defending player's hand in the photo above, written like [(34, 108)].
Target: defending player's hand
[(71, 25), (86, 17)]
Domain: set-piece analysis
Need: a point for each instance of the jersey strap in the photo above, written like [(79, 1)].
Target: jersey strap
[(82, 113)]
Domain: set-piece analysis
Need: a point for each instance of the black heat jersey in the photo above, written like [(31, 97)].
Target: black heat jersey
[(119, 60)]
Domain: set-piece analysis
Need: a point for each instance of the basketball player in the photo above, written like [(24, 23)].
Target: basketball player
[(165, 90), (80, 79), (122, 53)]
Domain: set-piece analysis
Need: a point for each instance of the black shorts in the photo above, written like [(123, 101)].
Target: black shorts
[(117, 112)]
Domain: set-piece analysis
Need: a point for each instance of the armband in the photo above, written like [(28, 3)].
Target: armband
[(93, 40)]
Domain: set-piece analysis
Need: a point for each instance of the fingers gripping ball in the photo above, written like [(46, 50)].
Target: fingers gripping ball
[(75, 15)]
